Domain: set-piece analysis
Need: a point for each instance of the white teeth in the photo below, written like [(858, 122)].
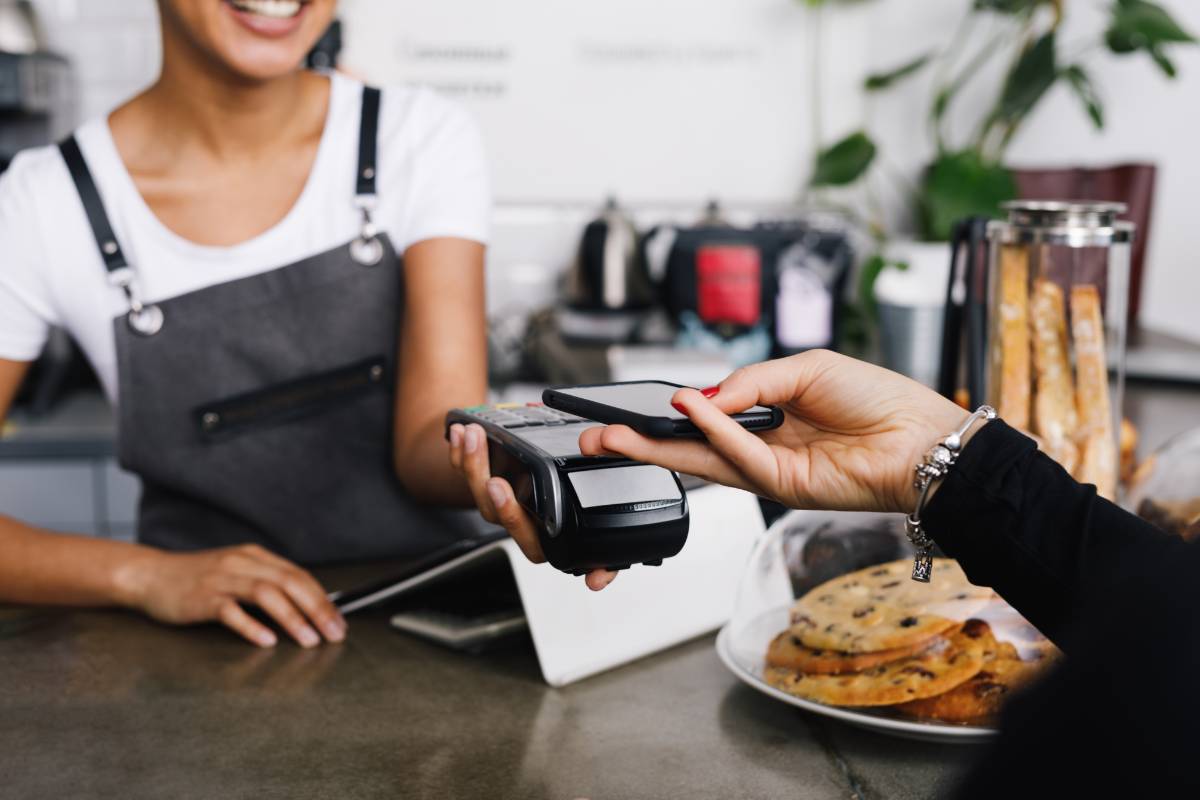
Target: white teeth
[(277, 9)]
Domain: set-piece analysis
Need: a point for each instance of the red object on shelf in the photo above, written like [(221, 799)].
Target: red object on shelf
[(729, 284)]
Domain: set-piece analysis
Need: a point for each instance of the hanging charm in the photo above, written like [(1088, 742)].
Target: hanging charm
[(922, 567)]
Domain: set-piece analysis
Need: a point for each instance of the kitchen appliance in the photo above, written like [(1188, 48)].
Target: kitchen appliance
[(20, 31), (33, 83), (608, 290)]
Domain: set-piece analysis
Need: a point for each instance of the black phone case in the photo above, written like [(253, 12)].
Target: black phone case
[(655, 427)]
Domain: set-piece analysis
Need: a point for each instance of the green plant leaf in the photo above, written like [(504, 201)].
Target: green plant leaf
[(1164, 63), (844, 162), (941, 101), (1142, 25), (958, 185), (1081, 84), (1033, 74), (882, 80)]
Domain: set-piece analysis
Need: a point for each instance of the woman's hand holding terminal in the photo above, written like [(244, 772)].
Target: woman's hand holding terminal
[(495, 499)]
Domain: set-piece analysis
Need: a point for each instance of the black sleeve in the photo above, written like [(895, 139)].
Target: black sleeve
[(1016, 521), (1120, 716)]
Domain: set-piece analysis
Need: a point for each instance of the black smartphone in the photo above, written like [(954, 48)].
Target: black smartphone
[(646, 407)]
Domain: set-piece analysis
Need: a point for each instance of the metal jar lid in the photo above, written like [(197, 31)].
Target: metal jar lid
[(1073, 223)]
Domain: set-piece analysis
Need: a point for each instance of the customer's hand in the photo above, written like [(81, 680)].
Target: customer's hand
[(212, 585), (495, 499), (852, 433)]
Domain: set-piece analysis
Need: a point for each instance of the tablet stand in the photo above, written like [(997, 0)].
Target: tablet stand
[(578, 633)]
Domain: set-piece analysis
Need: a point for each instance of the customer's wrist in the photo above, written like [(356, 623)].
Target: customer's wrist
[(943, 417)]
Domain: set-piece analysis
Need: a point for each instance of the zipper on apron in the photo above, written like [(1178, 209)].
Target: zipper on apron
[(288, 401)]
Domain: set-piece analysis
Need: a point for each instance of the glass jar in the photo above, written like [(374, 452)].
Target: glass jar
[(1058, 294)]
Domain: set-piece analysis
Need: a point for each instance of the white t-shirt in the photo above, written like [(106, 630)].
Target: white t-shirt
[(432, 182)]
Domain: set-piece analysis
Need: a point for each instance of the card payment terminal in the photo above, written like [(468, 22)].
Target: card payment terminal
[(592, 512)]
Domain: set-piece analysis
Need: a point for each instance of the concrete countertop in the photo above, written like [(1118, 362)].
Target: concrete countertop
[(107, 704)]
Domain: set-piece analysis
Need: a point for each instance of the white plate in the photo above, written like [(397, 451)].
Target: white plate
[(744, 659)]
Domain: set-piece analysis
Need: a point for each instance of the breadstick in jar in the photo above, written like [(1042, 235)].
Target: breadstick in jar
[(1091, 363), (1098, 451), (1098, 464), (1054, 414), (1011, 353)]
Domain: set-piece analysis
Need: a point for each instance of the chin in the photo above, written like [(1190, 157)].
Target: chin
[(254, 39)]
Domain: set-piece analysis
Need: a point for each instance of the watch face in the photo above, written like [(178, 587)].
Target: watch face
[(637, 484)]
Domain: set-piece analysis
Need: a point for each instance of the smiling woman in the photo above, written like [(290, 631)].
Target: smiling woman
[(277, 276)]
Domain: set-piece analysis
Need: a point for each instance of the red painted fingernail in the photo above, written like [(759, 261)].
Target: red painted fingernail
[(710, 392), (679, 407)]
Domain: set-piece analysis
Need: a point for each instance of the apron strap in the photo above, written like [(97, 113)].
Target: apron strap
[(93, 206), (368, 131), (367, 249), (144, 320)]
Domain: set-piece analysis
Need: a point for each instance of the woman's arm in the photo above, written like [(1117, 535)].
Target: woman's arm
[(1018, 522), (40, 567), (442, 362)]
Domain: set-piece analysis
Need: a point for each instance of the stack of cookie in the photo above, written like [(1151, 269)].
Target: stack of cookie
[(946, 650)]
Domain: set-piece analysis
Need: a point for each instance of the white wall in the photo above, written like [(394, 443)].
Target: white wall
[(114, 44), (672, 101)]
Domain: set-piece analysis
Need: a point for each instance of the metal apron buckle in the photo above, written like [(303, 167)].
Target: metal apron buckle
[(366, 249), (144, 320)]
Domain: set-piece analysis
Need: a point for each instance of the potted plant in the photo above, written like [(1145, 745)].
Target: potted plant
[(967, 175)]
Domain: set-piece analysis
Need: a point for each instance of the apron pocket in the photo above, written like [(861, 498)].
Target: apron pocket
[(291, 400)]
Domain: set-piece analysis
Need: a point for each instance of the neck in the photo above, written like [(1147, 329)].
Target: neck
[(196, 102)]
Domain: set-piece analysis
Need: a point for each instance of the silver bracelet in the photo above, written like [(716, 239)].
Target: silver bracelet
[(936, 464)]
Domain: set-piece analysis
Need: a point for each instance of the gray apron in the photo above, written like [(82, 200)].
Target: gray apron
[(261, 410)]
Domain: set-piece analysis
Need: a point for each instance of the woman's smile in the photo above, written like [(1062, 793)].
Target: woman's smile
[(269, 17)]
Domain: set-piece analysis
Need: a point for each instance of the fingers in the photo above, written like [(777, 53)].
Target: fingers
[(514, 519), (688, 456), (749, 454), (456, 446), (300, 587), (234, 617), (303, 590), (493, 496), (597, 579), (591, 443), (271, 599), (477, 470)]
